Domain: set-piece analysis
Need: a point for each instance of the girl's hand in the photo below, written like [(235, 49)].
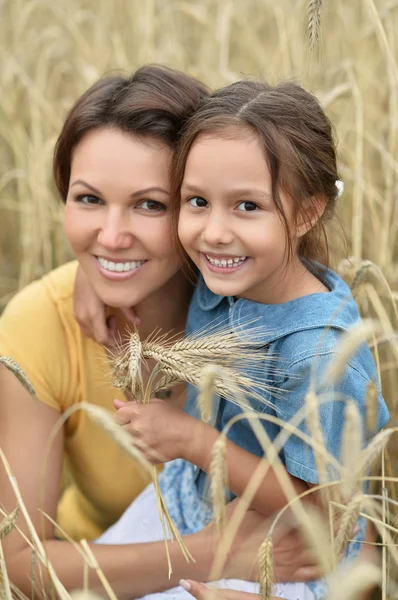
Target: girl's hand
[(90, 312), (165, 430)]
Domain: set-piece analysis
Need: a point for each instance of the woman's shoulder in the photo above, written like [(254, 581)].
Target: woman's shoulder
[(38, 331), (52, 289)]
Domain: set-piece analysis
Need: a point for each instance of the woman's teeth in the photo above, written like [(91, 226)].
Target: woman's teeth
[(119, 266), (226, 262)]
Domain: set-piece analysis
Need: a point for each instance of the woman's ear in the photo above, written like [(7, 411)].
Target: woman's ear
[(309, 214)]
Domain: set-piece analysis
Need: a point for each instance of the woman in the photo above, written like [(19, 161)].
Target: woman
[(112, 171)]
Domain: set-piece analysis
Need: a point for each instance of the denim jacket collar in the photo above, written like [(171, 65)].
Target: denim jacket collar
[(273, 321)]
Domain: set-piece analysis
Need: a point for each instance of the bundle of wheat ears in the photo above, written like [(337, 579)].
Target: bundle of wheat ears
[(208, 360)]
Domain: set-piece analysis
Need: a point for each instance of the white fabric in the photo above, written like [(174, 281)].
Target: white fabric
[(140, 523)]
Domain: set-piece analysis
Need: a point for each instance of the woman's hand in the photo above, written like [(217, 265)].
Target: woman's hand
[(162, 428), (293, 561), (204, 592), (90, 312)]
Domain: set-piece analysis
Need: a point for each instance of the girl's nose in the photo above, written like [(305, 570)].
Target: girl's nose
[(217, 231)]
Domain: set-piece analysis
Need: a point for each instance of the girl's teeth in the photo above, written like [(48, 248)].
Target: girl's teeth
[(229, 262), (120, 267)]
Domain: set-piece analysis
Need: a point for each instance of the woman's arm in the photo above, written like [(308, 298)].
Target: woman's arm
[(25, 427)]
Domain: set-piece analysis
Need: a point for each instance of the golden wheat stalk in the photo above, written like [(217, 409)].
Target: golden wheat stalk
[(348, 345), (20, 374), (314, 22), (353, 582), (8, 523), (266, 568), (218, 480), (351, 449), (206, 392), (372, 406), (315, 430), (348, 521)]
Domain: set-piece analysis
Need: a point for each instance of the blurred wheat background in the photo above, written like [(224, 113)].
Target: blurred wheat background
[(52, 50)]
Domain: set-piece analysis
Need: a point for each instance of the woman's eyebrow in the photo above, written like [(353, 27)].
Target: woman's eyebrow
[(87, 185), (133, 195), (150, 189)]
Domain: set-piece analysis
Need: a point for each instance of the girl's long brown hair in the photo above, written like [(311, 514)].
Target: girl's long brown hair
[(298, 146)]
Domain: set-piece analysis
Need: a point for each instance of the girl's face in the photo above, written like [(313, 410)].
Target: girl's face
[(228, 223), (117, 215)]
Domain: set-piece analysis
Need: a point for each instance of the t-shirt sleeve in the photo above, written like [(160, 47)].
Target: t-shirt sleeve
[(32, 334), (298, 455)]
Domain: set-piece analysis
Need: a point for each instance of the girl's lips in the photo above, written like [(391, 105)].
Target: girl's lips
[(223, 270), (118, 275)]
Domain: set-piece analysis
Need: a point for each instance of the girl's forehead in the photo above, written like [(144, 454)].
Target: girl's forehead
[(232, 132)]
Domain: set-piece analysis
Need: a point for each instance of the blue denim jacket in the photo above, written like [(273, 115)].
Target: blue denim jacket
[(302, 335)]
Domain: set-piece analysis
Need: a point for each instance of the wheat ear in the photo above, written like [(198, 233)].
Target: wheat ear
[(373, 450), (314, 22), (20, 374), (266, 568), (218, 480), (206, 391), (347, 524), (8, 523)]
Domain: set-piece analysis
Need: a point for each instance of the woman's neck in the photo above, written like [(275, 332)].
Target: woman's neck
[(165, 310)]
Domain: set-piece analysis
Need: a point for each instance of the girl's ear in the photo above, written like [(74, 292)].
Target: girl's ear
[(309, 214)]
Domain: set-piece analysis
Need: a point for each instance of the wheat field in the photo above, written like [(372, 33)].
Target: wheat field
[(52, 50)]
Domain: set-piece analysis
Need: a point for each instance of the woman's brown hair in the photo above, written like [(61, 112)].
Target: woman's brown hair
[(298, 146), (154, 102)]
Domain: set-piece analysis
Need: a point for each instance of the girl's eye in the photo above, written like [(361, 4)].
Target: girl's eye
[(88, 199), (198, 202), (152, 206), (247, 206)]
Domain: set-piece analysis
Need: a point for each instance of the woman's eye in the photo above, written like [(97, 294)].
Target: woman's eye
[(152, 206), (247, 206), (198, 202), (88, 199)]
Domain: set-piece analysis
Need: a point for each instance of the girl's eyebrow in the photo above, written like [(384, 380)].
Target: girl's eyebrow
[(133, 195), (188, 187)]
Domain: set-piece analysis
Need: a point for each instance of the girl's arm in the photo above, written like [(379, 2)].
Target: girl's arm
[(172, 433), (241, 464)]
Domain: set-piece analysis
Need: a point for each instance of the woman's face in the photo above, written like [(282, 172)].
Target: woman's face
[(117, 215)]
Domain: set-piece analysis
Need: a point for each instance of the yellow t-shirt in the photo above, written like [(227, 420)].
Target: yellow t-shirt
[(39, 331)]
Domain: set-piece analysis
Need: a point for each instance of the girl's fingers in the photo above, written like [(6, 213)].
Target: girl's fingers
[(131, 316), (118, 403)]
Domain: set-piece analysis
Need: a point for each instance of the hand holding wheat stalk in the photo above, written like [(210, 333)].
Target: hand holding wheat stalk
[(207, 361)]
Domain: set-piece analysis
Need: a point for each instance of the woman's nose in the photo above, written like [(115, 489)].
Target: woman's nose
[(115, 235)]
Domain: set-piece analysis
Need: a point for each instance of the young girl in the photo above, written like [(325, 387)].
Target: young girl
[(254, 179)]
